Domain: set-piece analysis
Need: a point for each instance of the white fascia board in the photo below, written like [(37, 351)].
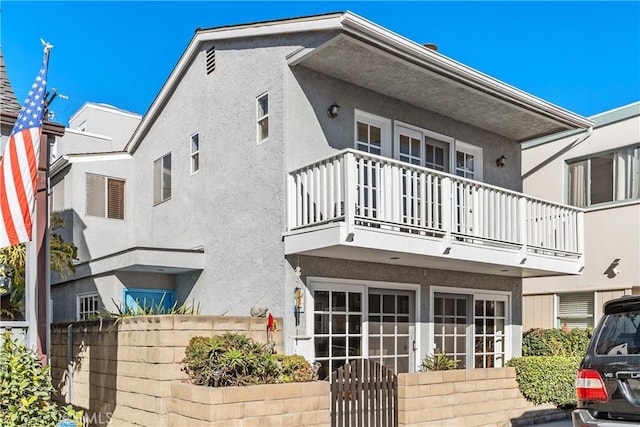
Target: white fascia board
[(63, 161), (88, 134), (104, 107), (330, 22), (368, 30)]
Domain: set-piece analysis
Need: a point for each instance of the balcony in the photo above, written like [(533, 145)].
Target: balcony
[(359, 206)]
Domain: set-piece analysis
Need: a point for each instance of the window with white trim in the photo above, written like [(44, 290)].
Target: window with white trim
[(372, 134), (195, 153), (105, 196), (162, 179), (468, 161), (612, 176), (262, 112), (575, 310), (87, 306)]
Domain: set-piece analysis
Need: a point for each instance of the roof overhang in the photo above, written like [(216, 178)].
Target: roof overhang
[(398, 67), (370, 56), (143, 259), (62, 162)]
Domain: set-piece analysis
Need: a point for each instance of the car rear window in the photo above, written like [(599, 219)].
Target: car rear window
[(619, 334)]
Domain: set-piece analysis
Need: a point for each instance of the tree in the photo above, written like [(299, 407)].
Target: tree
[(12, 267)]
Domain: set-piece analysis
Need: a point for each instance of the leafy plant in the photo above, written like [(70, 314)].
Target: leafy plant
[(547, 379), (295, 369), (144, 309), (26, 389), (12, 260), (236, 360), (556, 342), (438, 362)]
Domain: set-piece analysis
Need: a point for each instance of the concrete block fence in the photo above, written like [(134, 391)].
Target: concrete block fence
[(121, 375), (130, 374)]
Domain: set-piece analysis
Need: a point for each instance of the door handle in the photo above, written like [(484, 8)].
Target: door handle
[(415, 348)]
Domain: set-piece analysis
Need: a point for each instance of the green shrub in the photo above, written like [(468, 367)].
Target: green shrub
[(556, 342), (547, 379), (237, 360), (438, 362), (26, 389), (295, 369)]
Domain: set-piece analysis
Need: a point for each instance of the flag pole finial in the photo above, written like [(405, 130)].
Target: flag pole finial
[(47, 45)]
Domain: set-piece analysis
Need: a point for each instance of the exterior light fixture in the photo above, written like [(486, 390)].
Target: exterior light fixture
[(333, 110), (501, 161), (217, 374)]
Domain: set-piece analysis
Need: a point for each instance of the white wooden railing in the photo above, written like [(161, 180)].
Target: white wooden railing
[(374, 191)]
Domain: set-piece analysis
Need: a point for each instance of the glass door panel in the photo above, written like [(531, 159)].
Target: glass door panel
[(337, 328), (489, 323), (451, 317), (392, 329)]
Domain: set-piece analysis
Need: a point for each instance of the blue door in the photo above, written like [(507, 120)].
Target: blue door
[(160, 300)]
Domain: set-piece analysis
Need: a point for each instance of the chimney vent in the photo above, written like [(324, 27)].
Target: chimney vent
[(431, 46)]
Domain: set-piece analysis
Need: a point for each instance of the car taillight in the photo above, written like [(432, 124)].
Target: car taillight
[(590, 387)]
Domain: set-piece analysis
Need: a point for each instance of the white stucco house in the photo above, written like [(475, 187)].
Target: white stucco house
[(598, 172), (330, 156)]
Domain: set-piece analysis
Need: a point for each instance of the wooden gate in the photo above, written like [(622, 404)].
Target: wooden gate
[(364, 394)]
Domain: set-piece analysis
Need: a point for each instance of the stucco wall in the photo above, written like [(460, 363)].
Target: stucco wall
[(611, 232), (311, 134)]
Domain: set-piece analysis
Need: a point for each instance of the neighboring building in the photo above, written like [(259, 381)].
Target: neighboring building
[(601, 174), (330, 156)]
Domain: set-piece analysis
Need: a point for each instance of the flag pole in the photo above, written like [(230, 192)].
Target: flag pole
[(37, 275)]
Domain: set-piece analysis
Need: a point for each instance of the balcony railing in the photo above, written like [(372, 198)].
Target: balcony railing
[(361, 189)]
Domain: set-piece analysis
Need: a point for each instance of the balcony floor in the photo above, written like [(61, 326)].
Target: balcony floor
[(397, 248)]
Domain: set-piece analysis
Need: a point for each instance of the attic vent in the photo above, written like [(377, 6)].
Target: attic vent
[(211, 59)]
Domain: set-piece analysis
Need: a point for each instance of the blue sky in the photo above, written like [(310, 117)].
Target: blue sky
[(583, 56)]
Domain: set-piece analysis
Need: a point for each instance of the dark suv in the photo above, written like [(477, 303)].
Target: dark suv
[(608, 384)]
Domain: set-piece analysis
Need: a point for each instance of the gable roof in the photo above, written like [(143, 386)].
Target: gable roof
[(497, 106)]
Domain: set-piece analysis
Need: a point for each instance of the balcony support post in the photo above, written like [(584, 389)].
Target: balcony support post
[(522, 228), (350, 194), (580, 237), (447, 213)]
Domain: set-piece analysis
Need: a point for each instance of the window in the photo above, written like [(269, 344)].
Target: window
[(105, 196), (87, 306), (468, 161), (605, 177), (575, 310), (263, 117), (162, 179), (195, 153), (372, 134)]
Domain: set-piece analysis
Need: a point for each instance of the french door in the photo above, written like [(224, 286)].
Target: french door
[(471, 328), (353, 321)]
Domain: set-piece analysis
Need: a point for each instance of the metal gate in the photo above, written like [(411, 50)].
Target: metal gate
[(364, 394)]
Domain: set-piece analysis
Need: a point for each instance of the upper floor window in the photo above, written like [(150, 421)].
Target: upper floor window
[(262, 117), (432, 150), (605, 177), (195, 153), (105, 196), (372, 134), (162, 179), (87, 306)]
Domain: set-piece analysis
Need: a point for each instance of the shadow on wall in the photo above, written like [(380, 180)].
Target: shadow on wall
[(90, 380)]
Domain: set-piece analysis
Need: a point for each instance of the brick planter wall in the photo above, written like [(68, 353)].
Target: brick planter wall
[(121, 375), (475, 397), (295, 404)]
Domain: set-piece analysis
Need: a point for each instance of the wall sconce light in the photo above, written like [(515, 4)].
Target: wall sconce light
[(333, 110), (501, 161), (613, 270)]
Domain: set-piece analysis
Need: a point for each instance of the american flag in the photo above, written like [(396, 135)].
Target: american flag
[(19, 165)]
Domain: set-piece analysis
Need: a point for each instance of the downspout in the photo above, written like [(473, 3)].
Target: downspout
[(70, 362), (572, 145)]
